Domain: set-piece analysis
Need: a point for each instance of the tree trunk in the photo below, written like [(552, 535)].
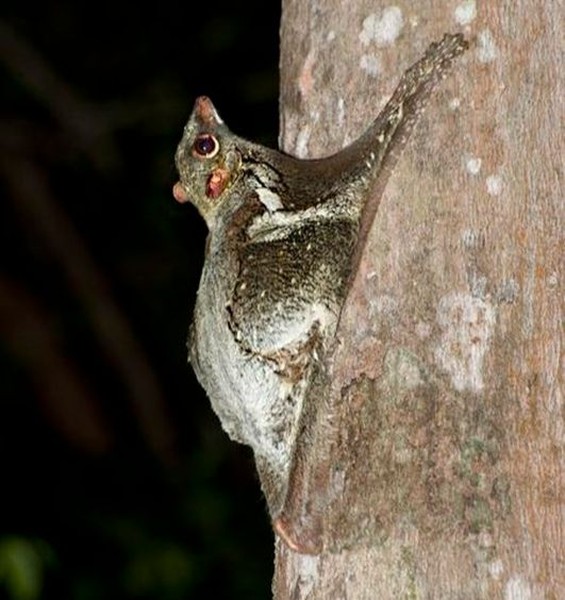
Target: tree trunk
[(448, 465)]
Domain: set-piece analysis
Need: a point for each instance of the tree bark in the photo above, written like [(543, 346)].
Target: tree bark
[(447, 465)]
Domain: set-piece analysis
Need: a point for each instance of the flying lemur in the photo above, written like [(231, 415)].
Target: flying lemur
[(284, 238)]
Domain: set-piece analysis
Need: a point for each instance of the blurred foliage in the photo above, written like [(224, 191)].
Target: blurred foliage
[(22, 565), (117, 480)]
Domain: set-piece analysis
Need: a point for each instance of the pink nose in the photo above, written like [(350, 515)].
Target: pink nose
[(179, 194)]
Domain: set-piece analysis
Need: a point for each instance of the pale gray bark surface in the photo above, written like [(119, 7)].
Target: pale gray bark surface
[(448, 463)]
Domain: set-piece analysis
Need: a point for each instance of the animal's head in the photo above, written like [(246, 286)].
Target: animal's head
[(207, 159)]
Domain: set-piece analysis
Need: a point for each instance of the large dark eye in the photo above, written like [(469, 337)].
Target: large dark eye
[(206, 146)]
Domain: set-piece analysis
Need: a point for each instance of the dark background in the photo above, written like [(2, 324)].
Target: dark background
[(116, 478)]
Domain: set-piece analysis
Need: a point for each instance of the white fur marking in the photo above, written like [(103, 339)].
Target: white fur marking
[(269, 199)]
